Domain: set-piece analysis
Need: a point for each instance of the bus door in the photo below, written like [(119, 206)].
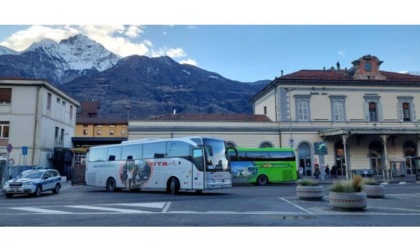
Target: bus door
[(199, 175)]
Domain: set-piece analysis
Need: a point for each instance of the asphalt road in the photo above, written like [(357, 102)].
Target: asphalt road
[(242, 218), (240, 206)]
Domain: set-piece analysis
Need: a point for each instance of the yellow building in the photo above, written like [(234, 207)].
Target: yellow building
[(93, 130), (360, 120)]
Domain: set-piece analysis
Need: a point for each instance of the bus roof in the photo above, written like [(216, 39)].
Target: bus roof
[(154, 140), (265, 149)]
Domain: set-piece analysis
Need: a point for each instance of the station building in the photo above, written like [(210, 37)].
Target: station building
[(361, 119)]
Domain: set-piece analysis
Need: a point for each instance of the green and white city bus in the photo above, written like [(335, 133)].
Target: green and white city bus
[(262, 166)]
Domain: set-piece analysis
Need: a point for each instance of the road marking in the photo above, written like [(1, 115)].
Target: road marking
[(119, 210), (297, 206), (148, 205), (40, 210), (166, 208)]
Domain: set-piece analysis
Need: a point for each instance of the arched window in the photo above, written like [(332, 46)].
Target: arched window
[(340, 161), (375, 156), (266, 144), (230, 144), (409, 150), (305, 160)]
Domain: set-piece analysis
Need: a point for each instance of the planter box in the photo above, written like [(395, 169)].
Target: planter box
[(374, 191), (350, 201), (310, 192)]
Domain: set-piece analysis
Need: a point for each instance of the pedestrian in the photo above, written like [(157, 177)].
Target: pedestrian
[(317, 171), (334, 171), (300, 171), (327, 171)]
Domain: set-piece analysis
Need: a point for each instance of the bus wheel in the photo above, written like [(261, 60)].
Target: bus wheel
[(262, 180), (199, 191), (111, 185), (173, 186)]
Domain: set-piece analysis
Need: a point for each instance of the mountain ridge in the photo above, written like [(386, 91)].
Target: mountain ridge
[(136, 85)]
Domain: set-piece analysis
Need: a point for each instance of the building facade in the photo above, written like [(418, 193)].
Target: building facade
[(35, 119), (94, 130), (362, 120), (237, 130)]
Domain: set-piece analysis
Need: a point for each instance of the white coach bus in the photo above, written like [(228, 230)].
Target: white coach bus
[(188, 163)]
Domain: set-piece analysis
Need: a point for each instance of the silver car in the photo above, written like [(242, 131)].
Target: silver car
[(33, 182)]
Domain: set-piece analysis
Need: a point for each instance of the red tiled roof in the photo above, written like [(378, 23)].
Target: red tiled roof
[(212, 117), (345, 75)]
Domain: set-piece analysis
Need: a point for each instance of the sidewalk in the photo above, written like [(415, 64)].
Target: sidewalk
[(395, 180)]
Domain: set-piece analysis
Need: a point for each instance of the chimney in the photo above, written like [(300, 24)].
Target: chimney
[(338, 65), (281, 75)]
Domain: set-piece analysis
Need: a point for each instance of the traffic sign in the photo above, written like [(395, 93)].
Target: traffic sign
[(24, 150), (9, 148)]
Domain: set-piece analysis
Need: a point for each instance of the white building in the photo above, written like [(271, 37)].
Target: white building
[(35, 118), (360, 119)]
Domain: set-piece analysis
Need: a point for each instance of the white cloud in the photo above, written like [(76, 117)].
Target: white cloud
[(342, 53), (113, 39), (171, 52), (189, 62), (176, 53), (118, 39), (133, 31), (21, 40)]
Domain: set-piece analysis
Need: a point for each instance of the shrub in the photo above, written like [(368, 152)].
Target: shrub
[(370, 181), (348, 186), (307, 182)]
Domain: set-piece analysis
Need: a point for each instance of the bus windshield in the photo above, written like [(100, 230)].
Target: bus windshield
[(217, 160)]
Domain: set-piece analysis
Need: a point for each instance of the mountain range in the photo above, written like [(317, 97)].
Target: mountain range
[(135, 86), (58, 63)]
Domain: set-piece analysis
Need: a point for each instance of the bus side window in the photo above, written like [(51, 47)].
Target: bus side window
[(111, 158)]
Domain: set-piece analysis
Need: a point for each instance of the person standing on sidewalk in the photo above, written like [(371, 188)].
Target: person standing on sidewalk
[(327, 171)]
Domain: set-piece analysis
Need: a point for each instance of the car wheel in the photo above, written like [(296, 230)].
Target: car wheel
[(38, 191), (56, 189), (9, 195)]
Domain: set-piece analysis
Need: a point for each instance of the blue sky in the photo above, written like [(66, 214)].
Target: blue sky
[(239, 42)]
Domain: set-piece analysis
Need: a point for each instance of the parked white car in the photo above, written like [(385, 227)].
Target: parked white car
[(33, 182)]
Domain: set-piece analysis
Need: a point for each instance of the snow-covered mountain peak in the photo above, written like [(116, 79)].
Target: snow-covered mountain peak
[(81, 52), (77, 53), (44, 43)]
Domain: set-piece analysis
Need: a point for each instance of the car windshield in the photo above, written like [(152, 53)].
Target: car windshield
[(30, 174)]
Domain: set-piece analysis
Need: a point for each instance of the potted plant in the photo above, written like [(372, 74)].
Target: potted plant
[(309, 189), (373, 188), (348, 194)]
